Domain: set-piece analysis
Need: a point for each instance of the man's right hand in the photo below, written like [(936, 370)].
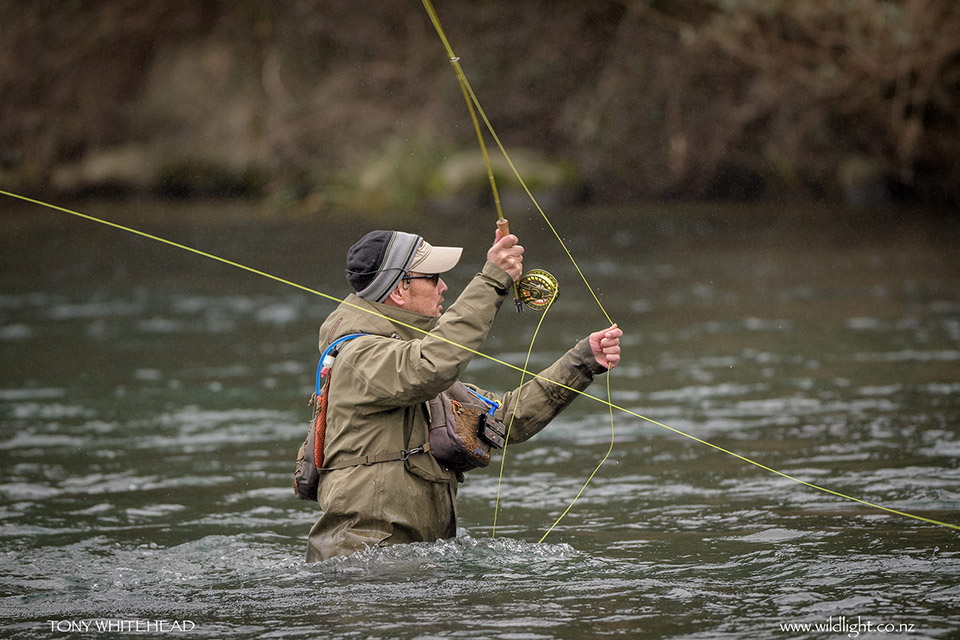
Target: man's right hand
[(507, 254)]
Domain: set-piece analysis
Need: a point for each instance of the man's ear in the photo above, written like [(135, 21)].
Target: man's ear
[(395, 298)]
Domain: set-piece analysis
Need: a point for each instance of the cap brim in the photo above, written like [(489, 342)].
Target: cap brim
[(435, 259)]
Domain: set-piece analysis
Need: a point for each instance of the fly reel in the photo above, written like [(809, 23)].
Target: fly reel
[(538, 289)]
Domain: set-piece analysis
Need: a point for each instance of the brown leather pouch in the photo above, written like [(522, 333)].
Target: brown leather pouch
[(455, 434)]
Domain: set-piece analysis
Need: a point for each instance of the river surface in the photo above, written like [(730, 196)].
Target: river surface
[(152, 403)]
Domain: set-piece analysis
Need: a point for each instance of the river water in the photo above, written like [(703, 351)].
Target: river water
[(152, 402)]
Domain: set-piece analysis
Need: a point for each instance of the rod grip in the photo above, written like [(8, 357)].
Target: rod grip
[(504, 226)]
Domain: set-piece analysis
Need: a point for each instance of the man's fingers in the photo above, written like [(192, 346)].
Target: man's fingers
[(610, 340), (507, 254), (607, 349), (507, 241)]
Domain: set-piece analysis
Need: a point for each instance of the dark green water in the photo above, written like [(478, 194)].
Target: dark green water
[(151, 404)]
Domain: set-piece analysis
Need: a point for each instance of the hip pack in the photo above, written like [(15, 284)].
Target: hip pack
[(306, 478), (463, 432)]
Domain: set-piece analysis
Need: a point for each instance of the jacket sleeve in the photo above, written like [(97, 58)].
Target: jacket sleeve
[(533, 405), (389, 373)]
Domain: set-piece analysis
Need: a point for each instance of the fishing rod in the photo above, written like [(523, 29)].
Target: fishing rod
[(332, 298), (465, 85), (537, 289)]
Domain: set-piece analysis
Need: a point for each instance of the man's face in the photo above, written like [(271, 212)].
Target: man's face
[(422, 295)]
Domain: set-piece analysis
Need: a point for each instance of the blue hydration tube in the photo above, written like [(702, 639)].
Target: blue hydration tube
[(328, 355)]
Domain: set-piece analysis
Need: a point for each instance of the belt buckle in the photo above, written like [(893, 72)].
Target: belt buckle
[(409, 452)]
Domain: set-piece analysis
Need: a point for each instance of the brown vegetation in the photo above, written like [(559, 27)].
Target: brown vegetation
[(645, 98)]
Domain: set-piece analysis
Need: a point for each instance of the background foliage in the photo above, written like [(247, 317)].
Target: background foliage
[(337, 104)]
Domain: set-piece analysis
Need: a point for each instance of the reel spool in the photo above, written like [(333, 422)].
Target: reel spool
[(538, 289)]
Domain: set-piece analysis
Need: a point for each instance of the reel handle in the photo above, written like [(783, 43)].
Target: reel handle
[(504, 226)]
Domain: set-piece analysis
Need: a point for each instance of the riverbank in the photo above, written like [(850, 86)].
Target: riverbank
[(332, 106)]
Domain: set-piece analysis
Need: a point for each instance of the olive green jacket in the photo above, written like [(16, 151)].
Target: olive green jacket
[(379, 390)]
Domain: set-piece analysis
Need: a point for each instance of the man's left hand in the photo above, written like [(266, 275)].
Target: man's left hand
[(606, 346)]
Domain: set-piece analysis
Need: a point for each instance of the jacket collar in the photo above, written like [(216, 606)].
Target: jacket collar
[(391, 321), (403, 317)]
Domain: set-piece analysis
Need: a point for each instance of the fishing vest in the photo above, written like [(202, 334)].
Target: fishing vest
[(462, 431)]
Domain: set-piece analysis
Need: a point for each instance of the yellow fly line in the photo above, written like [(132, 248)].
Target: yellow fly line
[(471, 100), (475, 352), (513, 415)]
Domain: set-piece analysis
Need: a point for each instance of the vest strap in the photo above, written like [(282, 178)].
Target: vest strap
[(377, 458)]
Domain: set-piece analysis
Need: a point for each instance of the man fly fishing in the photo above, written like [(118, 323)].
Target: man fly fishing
[(394, 428)]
